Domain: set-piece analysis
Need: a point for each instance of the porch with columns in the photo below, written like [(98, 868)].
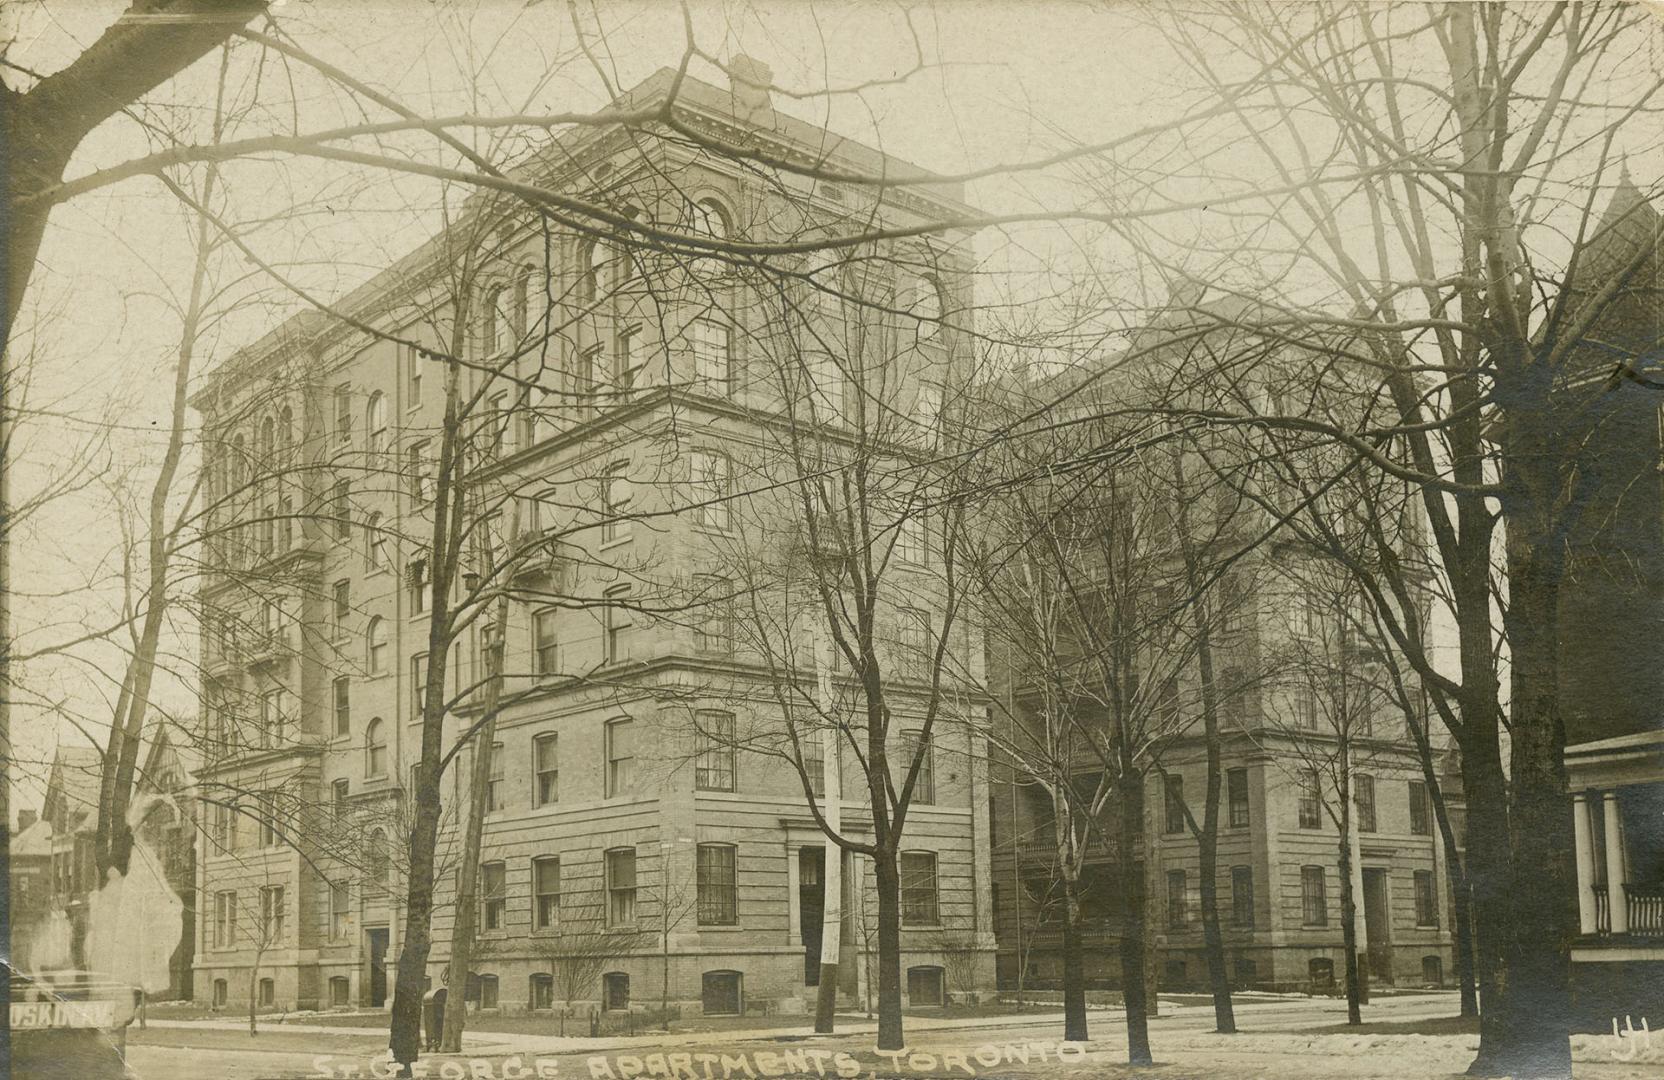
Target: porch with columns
[(1618, 831)]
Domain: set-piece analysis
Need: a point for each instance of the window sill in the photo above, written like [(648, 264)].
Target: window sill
[(616, 542)]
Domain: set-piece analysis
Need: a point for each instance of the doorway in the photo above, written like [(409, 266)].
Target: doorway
[(377, 941), (811, 907), (1377, 924)]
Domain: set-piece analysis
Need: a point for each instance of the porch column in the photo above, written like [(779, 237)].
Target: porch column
[(1616, 904), (1584, 844)]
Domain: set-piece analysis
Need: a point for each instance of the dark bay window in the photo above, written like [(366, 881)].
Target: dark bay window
[(1364, 798), (714, 751), (1177, 914), (918, 889), (493, 895), (717, 902), (1427, 899), (546, 892), (1242, 897), (1421, 817), (621, 886), (1311, 802), (546, 763), (1314, 905), (1173, 819), (1236, 784)]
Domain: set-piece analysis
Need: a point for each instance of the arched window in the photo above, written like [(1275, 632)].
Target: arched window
[(286, 433), (375, 748), (375, 543), (710, 220), (375, 642), (492, 321), (592, 268), (268, 443), (520, 313), (926, 307), (239, 463), (375, 423)]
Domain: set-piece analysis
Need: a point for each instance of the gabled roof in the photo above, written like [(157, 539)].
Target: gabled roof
[(33, 842), (77, 774)]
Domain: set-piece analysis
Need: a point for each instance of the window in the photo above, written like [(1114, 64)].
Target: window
[(339, 992), (615, 991), (1233, 695), (542, 991), (376, 858), (340, 608), (1167, 701), (713, 633), (711, 342), (268, 993), (375, 424), (375, 749), (1244, 973), (271, 913), (416, 470), (1231, 602), (1314, 907), (911, 546), (913, 632), (225, 919), (592, 262), (341, 789), (418, 684), (1242, 896), (924, 986), (1427, 903), (615, 503), (1177, 914), (626, 361), (915, 744), (1173, 789), (488, 991), (494, 778), (720, 993), (621, 886), (546, 766), (544, 651), (717, 902), (340, 508), (714, 750), (1311, 802), (617, 622), (918, 889), (375, 543), (343, 705), (621, 757), (1321, 971), (1421, 823), (491, 321), (339, 910), (545, 892), (412, 378), (274, 712), (1364, 797), (493, 895), (712, 482), (1236, 784), (813, 752), (1432, 971), (270, 835), (343, 414), (926, 308)]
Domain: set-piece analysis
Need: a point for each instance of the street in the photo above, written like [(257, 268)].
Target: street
[(1285, 1038)]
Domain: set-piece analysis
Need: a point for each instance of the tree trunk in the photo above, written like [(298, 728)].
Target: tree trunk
[(1349, 926), (1133, 898), (1539, 946), (1487, 865), (1074, 969), (889, 950), (1463, 916)]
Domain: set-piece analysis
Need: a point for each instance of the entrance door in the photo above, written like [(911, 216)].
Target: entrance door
[(1377, 925), (378, 939), (811, 908)]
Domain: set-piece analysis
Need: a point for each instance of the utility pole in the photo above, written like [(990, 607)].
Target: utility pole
[(826, 1001)]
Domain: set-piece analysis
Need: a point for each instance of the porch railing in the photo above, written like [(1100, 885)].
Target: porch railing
[(1644, 904), (1646, 910)]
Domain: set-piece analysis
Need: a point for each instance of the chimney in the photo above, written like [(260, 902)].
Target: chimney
[(26, 818), (748, 82)]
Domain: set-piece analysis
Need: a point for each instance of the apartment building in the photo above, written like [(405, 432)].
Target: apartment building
[(1303, 711), (638, 422)]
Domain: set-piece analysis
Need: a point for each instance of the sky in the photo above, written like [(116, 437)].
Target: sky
[(950, 86)]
